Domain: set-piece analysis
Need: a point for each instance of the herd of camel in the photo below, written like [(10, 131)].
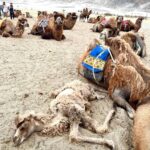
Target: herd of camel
[(125, 77)]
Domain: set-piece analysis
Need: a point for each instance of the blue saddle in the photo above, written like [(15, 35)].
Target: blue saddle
[(96, 59)]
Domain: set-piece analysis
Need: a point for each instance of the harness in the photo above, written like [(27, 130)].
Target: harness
[(43, 24), (125, 26)]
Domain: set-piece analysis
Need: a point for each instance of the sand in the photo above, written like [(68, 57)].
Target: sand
[(31, 67)]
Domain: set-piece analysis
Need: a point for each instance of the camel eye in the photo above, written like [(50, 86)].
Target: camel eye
[(22, 129)]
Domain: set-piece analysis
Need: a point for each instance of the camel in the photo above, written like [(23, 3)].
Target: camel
[(70, 21), (70, 109), (8, 29), (127, 25), (118, 46), (28, 15), (137, 92), (54, 30), (85, 14), (111, 23), (94, 20), (120, 50), (17, 13)]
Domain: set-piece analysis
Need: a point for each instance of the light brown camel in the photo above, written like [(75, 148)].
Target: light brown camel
[(127, 84), (110, 23), (70, 21), (8, 29), (69, 109)]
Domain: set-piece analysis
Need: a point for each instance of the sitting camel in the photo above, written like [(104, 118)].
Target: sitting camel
[(49, 27), (8, 29), (118, 48), (70, 21), (94, 20), (69, 110), (137, 92), (85, 14), (54, 30), (110, 23), (127, 25)]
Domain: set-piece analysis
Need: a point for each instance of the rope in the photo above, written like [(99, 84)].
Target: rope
[(96, 60)]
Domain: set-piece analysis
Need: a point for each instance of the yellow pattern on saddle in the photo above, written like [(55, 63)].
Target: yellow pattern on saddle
[(95, 63)]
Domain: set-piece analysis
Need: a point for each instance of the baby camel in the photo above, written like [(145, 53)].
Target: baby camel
[(69, 109)]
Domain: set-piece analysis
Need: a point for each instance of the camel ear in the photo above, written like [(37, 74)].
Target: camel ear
[(18, 120)]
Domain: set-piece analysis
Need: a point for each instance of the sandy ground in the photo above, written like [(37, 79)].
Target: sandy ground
[(32, 66)]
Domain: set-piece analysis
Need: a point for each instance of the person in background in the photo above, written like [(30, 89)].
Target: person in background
[(5, 9), (11, 10)]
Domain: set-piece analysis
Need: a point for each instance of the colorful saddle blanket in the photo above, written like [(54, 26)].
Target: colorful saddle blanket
[(96, 60)]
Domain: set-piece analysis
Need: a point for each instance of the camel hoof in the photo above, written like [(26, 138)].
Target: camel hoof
[(131, 114), (111, 144), (102, 129)]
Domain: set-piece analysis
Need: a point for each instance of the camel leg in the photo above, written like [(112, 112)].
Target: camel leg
[(95, 125), (121, 101), (76, 136)]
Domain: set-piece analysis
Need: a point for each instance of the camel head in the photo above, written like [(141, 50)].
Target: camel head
[(22, 21), (58, 19), (25, 125), (119, 19), (116, 45)]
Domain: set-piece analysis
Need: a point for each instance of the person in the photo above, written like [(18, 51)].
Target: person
[(11, 10), (5, 9)]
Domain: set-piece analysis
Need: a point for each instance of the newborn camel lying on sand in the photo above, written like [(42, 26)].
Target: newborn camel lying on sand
[(69, 109)]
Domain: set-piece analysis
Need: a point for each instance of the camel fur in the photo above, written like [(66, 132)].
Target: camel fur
[(70, 21), (69, 109), (8, 29), (127, 84), (54, 30)]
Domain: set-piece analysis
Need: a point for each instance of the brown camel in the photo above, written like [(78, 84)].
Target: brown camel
[(94, 20), (110, 23), (8, 29), (70, 21), (122, 51), (28, 15), (54, 30), (127, 25), (127, 84), (70, 108), (17, 13), (85, 14)]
